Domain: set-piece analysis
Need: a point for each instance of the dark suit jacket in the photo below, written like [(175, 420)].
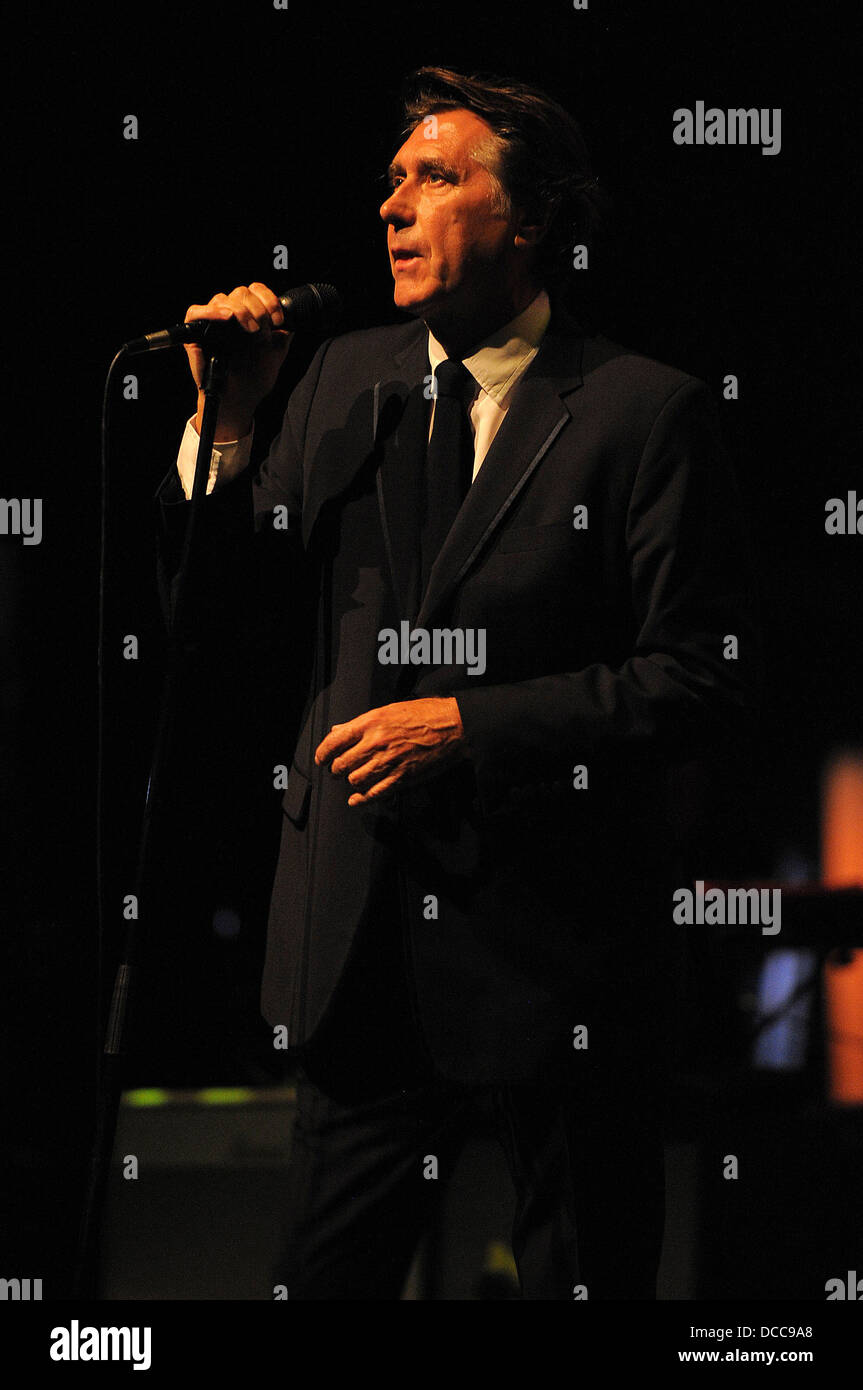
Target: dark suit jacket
[(605, 649)]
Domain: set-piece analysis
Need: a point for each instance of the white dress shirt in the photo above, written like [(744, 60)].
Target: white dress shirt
[(496, 366)]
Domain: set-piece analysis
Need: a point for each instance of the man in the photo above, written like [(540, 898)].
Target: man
[(503, 561)]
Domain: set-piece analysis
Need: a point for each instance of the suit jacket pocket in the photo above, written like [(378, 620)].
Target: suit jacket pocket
[(295, 802)]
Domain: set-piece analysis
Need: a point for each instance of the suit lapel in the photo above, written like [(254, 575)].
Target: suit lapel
[(401, 421), (393, 434), (372, 435), (538, 412)]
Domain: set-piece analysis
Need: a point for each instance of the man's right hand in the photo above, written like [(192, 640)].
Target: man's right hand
[(255, 366)]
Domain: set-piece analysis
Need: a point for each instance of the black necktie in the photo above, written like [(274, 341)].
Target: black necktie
[(449, 460)]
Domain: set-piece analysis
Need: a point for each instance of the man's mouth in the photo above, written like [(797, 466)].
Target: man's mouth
[(399, 254)]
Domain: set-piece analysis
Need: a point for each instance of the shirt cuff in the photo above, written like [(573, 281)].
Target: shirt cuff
[(226, 462)]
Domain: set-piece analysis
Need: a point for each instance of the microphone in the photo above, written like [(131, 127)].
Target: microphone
[(306, 306)]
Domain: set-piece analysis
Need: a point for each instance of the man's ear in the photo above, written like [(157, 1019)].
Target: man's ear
[(529, 230)]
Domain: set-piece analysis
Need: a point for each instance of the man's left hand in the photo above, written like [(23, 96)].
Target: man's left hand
[(395, 744)]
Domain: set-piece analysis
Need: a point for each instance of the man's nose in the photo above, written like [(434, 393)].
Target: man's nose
[(397, 208)]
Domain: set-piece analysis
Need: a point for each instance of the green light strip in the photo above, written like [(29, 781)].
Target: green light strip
[(224, 1095), (151, 1096), (148, 1096)]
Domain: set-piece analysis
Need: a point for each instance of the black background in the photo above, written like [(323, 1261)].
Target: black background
[(259, 127)]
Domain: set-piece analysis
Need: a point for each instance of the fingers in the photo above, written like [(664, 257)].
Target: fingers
[(384, 747), (270, 302), (357, 752), (381, 791), (255, 307), (364, 771), (362, 759), (340, 737), (257, 310)]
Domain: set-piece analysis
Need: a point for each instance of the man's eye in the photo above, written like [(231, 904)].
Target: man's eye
[(432, 176)]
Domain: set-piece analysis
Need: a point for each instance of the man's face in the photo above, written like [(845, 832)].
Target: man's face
[(449, 249)]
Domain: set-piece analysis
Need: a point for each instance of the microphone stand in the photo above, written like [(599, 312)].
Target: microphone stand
[(111, 1061)]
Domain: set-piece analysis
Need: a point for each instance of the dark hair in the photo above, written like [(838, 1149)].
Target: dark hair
[(543, 163)]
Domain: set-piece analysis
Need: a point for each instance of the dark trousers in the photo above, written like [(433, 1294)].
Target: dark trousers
[(377, 1134)]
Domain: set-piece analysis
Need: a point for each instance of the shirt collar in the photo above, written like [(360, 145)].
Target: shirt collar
[(500, 360)]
